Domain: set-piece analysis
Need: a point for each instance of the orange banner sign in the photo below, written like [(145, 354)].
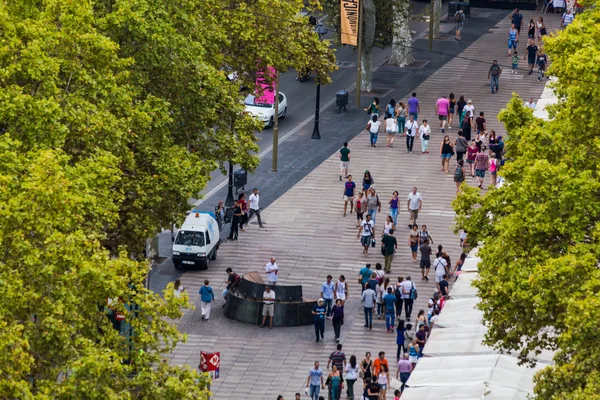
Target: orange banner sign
[(349, 14)]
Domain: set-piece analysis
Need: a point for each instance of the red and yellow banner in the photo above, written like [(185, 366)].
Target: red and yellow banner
[(349, 14)]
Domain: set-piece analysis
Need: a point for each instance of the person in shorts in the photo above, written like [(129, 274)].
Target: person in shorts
[(268, 307), (349, 188), (482, 163), (344, 160), (443, 109), (414, 204), (459, 22), (425, 263)]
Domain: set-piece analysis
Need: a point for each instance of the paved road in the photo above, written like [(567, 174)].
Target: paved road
[(311, 239)]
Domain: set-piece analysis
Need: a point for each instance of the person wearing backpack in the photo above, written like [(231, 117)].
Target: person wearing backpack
[(409, 294), (459, 175), (366, 229), (233, 281), (459, 21)]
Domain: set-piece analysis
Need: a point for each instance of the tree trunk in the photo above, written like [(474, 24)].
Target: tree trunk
[(437, 14), (367, 53), (402, 42)]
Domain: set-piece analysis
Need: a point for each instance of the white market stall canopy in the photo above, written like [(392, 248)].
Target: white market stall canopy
[(471, 377), (461, 341), (470, 264), (460, 313), (547, 98), (462, 288)]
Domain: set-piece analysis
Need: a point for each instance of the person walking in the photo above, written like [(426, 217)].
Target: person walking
[(480, 124), (441, 268), (374, 107), (373, 128), (254, 207), (542, 62), (366, 367), (482, 163), (401, 116), (337, 358), (373, 205), (494, 165), (389, 246), (235, 221), (459, 23), (399, 297), (410, 131), (367, 182), (460, 107), (425, 263), (459, 175), (567, 18), (344, 161), (389, 304), (424, 234), (268, 307), (442, 107), (178, 289), (414, 203), (220, 215), (327, 293), (404, 369), (394, 200), (425, 135), (341, 290), (413, 353), (244, 206), (319, 310), (388, 225), (400, 330), (272, 271), (452, 101), (207, 297), (352, 369), (515, 62), (531, 51), (408, 293), (494, 74), (337, 319), (363, 276), (360, 206), (391, 128), (516, 19), (315, 381), (540, 30), (460, 146), (531, 30), (413, 242), (446, 152), (349, 190), (335, 383), (368, 299), (513, 38), (383, 379), (413, 106)]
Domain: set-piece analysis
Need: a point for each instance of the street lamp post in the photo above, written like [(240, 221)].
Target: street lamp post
[(229, 199), (322, 31)]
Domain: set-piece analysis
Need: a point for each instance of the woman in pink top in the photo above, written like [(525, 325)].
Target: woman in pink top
[(493, 169)]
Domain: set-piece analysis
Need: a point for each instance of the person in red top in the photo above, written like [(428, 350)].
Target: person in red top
[(379, 362), (244, 206)]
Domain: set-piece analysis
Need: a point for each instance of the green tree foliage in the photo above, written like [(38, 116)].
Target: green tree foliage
[(539, 276), (56, 277)]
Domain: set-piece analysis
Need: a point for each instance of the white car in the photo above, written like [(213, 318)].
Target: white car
[(265, 112)]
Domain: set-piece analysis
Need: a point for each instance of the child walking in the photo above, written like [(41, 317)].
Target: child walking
[(515, 62)]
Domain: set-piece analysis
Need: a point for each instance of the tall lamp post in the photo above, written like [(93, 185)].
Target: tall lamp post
[(229, 199), (322, 31)]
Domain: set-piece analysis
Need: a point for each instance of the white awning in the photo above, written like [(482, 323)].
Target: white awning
[(462, 288), (460, 313)]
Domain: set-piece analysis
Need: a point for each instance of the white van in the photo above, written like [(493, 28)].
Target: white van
[(197, 241)]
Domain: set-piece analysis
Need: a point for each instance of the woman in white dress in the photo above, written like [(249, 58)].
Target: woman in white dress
[(389, 224), (425, 135), (341, 289)]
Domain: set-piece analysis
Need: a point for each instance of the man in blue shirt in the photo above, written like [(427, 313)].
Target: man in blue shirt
[(318, 312), (327, 293), (413, 106), (364, 274), (206, 298), (315, 381), (389, 302), (517, 20)]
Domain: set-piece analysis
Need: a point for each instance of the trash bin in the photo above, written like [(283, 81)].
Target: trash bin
[(240, 178), (341, 99), (453, 8)]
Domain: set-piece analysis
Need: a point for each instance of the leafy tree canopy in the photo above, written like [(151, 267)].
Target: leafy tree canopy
[(539, 276)]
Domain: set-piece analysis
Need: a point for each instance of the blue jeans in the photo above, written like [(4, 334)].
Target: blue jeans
[(319, 329), (373, 214), (368, 316), (394, 214), (390, 318), (494, 81), (314, 392), (373, 138), (379, 309), (328, 305)]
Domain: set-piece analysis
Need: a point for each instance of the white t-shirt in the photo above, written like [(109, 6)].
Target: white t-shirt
[(367, 228), (271, 270), (405, 288), (424, 130), (430, 303), (253, 199), (374, 126), (530, 105), (415, 200), (387, 227), (412, 128), (463, 236), (270, 296), (391, 125), (470, 110), (177, 292), (440, 266), (352, 373)]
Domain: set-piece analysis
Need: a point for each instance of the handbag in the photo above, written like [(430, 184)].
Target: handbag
[(383, 250), (395, 384), (543, 31), (372, 242)]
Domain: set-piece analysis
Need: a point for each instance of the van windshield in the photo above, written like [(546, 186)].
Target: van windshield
[(190, 238)]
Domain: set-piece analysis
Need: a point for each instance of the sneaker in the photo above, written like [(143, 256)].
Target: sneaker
[(370, 326), (443, 131), (337, 340)]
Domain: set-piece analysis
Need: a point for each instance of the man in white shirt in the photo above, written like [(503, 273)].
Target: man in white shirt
[(410, 130), (254, 208), (268, 306), (414, 204), (441, 268), (367, 228), (405, 287), (272, 270), (529, 104)]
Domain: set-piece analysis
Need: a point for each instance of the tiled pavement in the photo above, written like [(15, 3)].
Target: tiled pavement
[(310, 239)]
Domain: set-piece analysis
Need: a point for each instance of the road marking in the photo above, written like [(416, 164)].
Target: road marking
[(293, 131)]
